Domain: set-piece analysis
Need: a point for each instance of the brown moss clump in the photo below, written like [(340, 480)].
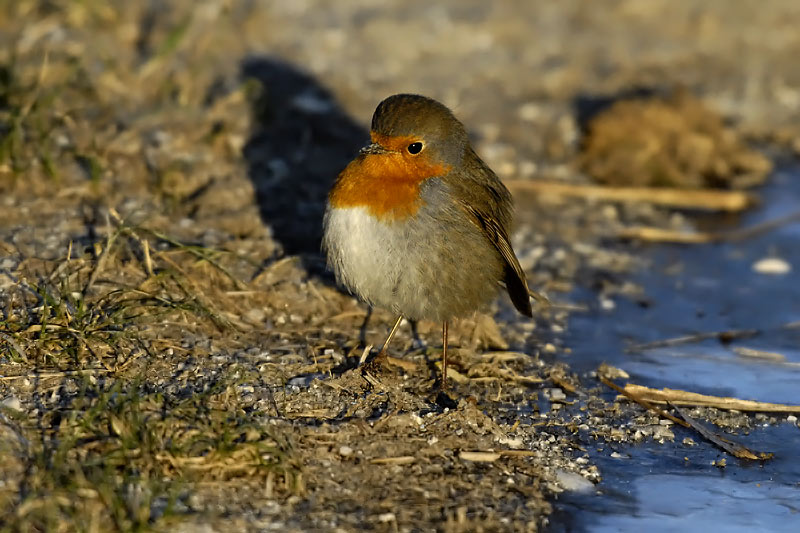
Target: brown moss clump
[(668, 142)]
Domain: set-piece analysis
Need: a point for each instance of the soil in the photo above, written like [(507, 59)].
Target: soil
[(174, 354)]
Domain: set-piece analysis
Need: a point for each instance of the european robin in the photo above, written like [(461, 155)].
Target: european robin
[(417, 223)]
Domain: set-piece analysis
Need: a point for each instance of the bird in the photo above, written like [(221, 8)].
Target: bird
[(418, 224)]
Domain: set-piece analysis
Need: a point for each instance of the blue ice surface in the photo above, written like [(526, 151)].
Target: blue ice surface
[(688, 290)]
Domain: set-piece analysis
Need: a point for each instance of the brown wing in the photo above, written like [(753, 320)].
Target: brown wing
[(516, 285)]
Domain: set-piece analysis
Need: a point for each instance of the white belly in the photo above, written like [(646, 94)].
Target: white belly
[(401, 266)]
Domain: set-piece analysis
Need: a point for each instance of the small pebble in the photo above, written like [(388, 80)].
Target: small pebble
[(255, 316), (12, 402), (774, 266), (556, 394), (386, 518), (607, 304), (345, 451), (573, 482)]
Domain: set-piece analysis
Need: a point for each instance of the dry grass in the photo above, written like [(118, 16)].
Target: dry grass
[(111, 448), (102, 433)]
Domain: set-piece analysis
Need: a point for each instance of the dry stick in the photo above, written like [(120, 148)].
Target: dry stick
[(734, 449), (737, 450), (643, 403), (724, 336), (489, 456), (148, 262), (763, 227), (66, 373), (680, 397), (704, 199), (653, 234), (400, 460)]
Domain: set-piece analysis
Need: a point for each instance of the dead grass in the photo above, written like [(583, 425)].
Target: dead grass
[(103, 431), (109, 448), (119, 456)]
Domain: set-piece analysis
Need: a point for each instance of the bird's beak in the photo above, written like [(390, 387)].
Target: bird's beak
[(373, 149)]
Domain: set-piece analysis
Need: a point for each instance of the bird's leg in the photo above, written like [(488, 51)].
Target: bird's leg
[(444, 355), (382, 354), (384, 358)]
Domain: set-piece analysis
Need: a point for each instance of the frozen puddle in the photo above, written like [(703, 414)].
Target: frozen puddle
[(704, 503), (717, 287)]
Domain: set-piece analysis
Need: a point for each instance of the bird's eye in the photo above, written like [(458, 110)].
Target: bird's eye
[(415, 148)]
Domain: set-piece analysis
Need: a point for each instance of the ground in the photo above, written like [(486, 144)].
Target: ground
[(174, 355)]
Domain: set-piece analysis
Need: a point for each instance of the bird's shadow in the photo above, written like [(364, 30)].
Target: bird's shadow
[(301, 138)]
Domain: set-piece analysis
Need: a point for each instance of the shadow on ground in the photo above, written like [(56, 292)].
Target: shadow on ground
[(300, 140)]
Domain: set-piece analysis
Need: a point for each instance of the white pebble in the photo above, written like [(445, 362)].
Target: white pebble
[(607, 304), (345, 451), (573, 482), (774, 266), (556, 394), (12, 402), (255, 316)]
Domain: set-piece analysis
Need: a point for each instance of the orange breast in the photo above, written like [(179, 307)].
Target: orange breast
[(387, 185)]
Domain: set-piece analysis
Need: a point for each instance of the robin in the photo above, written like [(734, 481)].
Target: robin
[(417, 223)]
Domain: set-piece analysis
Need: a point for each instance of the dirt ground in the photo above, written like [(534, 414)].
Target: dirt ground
[(174, 355)]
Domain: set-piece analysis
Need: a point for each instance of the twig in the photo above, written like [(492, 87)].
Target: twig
[(703, 199), (763, 227), (722, 336), (680, 397), (479, 456), (653, 234), (737, 450), (66, 373), (644, 403), (688, 422), (148, 261), (401, 460), (490, 456), (763, 355)]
